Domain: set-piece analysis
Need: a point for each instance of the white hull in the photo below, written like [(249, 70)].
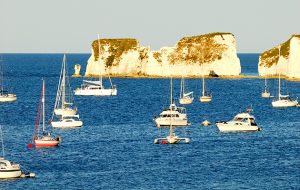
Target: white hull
[(98, 92), (284, 103), (233, 127), (266, 95), (205, 99), (66, 111), (166, 122), (9, 174), (8, 98), (186, 100), (64, 124)]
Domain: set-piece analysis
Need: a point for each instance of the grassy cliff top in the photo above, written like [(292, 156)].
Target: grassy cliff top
[(271, 56), (195, 39), (116, 46)]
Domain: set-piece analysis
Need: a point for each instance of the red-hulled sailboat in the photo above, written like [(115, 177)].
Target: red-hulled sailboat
[(45, 139)]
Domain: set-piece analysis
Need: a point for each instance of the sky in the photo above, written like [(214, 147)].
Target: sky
[(70, 26)]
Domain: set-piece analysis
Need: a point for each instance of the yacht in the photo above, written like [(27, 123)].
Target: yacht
[(242, 122), (69, 121), (95, 88)]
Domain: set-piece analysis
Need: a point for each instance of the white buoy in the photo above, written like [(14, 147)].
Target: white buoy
[(205, 123)]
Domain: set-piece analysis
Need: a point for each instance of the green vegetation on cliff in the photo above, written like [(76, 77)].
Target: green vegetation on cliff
[(116, 48), (270, 57), (198, 49)]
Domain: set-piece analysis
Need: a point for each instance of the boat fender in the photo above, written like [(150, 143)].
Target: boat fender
[(259, 129), (58, 138)]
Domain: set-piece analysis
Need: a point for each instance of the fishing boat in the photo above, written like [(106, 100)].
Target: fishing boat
[(185, 97), (64, 102), (206, 96), (8, 169), (96, 88), (171, 138), (43, 138), (4, 95), (67, 121), (242, 122), (283, 100)]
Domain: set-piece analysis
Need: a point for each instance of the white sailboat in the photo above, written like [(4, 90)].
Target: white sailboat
[(266, 93), (185, 97), (171, 138), (206, 97), (64, 109), (8, 169), (4, 95), (283, 100), (43, 139), (64, 103), (96, 88)]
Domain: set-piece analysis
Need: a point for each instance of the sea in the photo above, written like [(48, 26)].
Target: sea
[(115, 147)]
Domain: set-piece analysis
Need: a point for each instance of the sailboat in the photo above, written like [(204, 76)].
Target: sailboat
[(266, 93), (283, 100), (4, 95), (64, 108), (96, 88), (185, 97), (8, 169), (171, 138), (206, 97), (45, 139), (64, 102)]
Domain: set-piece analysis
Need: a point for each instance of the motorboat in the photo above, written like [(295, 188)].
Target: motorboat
[(175, 115), (242, 122), (43, 138), (70, 121), (64, 102)]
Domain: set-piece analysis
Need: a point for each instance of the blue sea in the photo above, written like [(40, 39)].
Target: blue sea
[(115, 150)]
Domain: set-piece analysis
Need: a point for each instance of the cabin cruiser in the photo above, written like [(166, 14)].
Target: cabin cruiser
[(67, 122), (242, 122), (9, 169), (95, 88), (173, 115)]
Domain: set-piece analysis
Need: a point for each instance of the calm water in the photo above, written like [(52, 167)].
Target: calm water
[(114, 149)]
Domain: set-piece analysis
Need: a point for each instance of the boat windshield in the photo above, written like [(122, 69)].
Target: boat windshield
[(252, 121)]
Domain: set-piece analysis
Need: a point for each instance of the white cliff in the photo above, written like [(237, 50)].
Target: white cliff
[(287, 64), (192, 56)]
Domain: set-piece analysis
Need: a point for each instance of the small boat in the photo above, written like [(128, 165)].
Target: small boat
[(266, 93), (70, 121), (205, 123), (171, 138), (206, 96), (96, 88), (8, 169), (64, 102), (4, 95), (283, 100), (45, 139), (242, 122), (185, 97), (172, 115)]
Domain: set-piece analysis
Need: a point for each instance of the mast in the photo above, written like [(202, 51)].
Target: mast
[(181, 87), (63, 84), (202, 85), (43, 104), (171, 108), (279, 88), (2, 142), (100, 78)]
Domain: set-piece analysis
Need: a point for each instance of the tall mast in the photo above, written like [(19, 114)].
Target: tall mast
[(171, 108), (43, 103), (100, 78), (2, 142), (279, 88), (63, 83)]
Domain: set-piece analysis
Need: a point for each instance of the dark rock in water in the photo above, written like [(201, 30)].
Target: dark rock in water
[(213, 74)]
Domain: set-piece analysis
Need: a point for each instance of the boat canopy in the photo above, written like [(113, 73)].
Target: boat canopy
[(187, 94), (93, 82)]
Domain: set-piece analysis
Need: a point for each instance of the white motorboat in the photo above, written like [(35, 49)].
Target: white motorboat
[(8, 169), (242, 122), (4, 95), (64, 102), (175, 115), (45, 139), (70, 121), (96, 88), (185, 97), (283, 100)]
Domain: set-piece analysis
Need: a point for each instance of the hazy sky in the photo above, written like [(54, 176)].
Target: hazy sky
[(57, 26)]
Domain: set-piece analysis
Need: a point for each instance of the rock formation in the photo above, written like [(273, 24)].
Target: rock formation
[(287, 64), (191, 56)]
